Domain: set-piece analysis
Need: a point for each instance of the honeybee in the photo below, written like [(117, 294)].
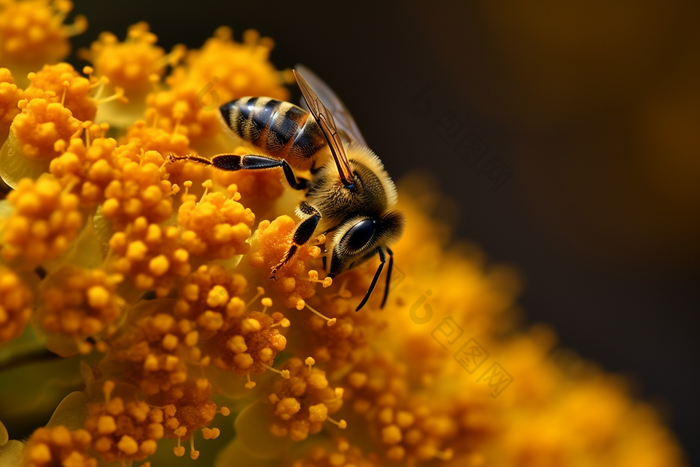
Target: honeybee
[(349, 196)]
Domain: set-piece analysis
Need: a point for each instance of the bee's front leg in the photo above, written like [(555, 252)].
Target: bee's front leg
[(303, 232), (234, 162)]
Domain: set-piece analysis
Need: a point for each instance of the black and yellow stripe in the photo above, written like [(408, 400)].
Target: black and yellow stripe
[(279, 128)]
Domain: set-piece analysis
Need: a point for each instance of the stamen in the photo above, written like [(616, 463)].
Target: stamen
[(338, 395), (104, 126), (210, 433), (233, 189), (174, 57), (78, 133), (283, 373), (118, 95), (250, 384), (187, 184), (86, 126), (260, 293), (107, 388), (103, 80), (179, 450), (79, 26), (94, 82), (177, 126), (66, 85), (266, 303), (342, 424), (285, 323), (162, 166), (301, 304), (309, 362), (69, 186), (94, 131), (194, 454), (313, 277), (207, 184)]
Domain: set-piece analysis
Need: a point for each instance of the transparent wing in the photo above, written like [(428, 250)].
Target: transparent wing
[(343, 118), (325, 120)]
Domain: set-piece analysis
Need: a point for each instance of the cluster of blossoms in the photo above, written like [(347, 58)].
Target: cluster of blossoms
[(155, 277)]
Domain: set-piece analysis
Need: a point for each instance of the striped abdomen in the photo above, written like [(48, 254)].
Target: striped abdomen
[(281, 129)]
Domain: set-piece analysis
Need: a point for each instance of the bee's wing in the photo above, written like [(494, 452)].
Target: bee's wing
[(325, 120), (343, 118)]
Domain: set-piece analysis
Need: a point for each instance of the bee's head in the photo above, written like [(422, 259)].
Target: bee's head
[(356, 240)]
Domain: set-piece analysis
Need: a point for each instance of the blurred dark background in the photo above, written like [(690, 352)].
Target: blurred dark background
[(568, 135)]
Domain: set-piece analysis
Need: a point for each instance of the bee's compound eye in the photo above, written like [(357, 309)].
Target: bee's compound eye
[(359, 235)]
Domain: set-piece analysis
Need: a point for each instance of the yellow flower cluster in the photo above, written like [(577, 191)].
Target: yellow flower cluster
[(269, 244), (303, 402), (78, 303), (248, 342), (86, 167), (159, 274), (216, 227), (41, 125), (15, 304), (32, 33), (150, 255), (209, 294), (62, 80), (343, 456), (59, 446), (129, 64), (123, 430), (157, 352), (44, 221), (10, 96), (230, 68)]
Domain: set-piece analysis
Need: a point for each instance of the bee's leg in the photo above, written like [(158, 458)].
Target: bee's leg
[(234, 162), (302, 234), (382, 258), (388, 276)]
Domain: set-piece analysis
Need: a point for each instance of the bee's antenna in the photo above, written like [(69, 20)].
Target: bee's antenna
[(382, 258), (388, 276)]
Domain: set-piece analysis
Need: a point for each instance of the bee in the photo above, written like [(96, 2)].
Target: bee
[(349, 196)]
